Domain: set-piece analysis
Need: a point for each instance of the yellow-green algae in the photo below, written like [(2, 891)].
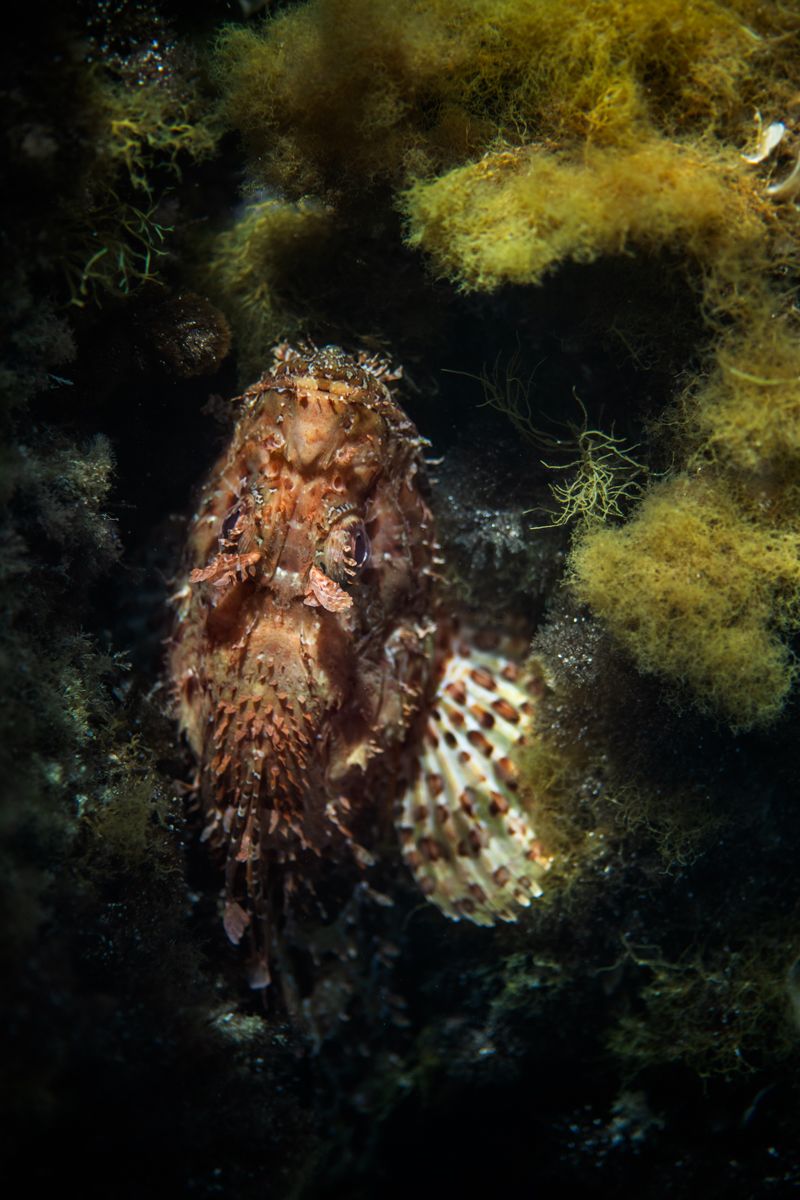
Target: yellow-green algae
[(699, 592), (515, 216), (703, 583), (746, 413), (249, 265), (339, 93), (607, 126), (161, 123)]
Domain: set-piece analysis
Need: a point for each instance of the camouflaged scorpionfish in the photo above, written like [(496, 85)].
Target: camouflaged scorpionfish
[(326, 696)]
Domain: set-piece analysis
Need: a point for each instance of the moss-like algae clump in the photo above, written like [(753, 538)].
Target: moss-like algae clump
[(699, 593), (339, 93), (248, 262), (745, 416), (702, 585), (511, 137), (514, 216), (716, 1010), (102, 150)]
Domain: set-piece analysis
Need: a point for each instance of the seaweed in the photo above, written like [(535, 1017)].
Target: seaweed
[(699, 594)]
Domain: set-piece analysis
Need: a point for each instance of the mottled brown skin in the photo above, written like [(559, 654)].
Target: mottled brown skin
[(303, 646)]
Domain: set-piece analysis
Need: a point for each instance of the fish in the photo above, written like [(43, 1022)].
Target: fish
[(338, 711)]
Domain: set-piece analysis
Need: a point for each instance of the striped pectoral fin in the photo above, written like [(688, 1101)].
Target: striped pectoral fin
[(463, 831)]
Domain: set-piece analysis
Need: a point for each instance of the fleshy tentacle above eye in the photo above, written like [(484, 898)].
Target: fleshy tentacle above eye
[(326, 593)]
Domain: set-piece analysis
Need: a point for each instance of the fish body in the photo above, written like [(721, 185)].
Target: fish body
[(325, 694)]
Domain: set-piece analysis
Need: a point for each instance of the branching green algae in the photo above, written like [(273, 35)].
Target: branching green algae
[(137, 124)]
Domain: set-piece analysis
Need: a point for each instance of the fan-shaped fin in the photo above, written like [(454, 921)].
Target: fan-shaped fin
[(463, 831)]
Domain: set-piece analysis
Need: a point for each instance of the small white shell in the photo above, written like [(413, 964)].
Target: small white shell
[(768, 139)]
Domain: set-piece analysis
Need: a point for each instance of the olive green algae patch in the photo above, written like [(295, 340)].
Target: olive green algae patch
[(747, 413), (516, 215), (702, 585), (336, 94), (247, 266), (138, 131), (700, 595), (721, 1009)]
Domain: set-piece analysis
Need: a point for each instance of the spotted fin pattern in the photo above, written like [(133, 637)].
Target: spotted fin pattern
[(463, 831)]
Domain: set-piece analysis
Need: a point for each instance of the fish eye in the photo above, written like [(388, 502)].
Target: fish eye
[(360, 546), (347, 550), (230, 522)]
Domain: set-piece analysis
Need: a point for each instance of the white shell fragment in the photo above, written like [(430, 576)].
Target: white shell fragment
[(464, 834), (768, 139), (788, 188)]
